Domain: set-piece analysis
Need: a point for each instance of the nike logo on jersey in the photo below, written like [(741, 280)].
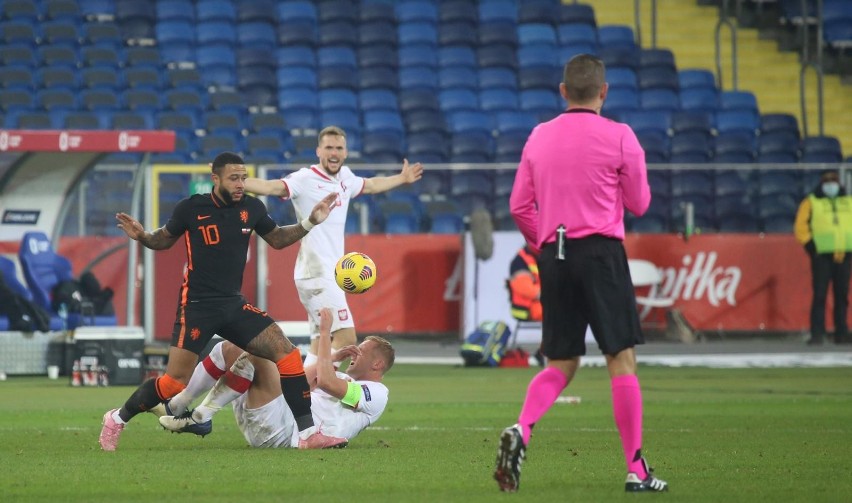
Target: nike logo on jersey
[(203, 217)]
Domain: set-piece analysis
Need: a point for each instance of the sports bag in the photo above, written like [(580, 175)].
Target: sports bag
[(485, 345)]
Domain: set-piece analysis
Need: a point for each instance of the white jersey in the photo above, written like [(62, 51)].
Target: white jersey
[(273, 425), (323, 245)]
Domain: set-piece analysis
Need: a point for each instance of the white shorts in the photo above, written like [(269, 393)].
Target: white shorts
[(317, 293), (271, 425)]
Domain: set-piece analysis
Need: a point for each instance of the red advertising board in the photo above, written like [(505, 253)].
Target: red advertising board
[(86, 141), (720, 282)]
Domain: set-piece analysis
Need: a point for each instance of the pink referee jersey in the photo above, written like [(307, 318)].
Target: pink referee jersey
[(579, 170)]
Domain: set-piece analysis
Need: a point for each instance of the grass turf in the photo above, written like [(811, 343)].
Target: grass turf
[(713, 434)]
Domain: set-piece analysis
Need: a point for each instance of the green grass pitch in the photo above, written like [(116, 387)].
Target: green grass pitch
[(714, 434)]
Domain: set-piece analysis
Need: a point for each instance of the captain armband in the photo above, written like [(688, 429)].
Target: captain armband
[(353, 394)]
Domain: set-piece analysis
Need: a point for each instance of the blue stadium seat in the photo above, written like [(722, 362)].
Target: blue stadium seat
[(428, 145), (43, 268), (700, 99), (378, 99), (338, 76), (297, 32), (418, 99), (382, 147), (460, 11), (298, 98), (299, 55), (778, 182), (647, 120), (418, 55), (536, 33), (335, 99), (471, 146), (498, 100), (180, 10), (454, 100), (303, 77), (779, 122), (457, 33), (515, 122), (619, 57), (577, 13), (418, 78), (497, 56), (348, 119), (779, 142), (417, 11), (447, 223), (616, 36), (661, 59), (509, 146), (456, 56), (257, 34), (738, 100), (577, 34), (215, 10), (498, 11), (729, 183), (256, 10), (377, 33), (378, 55), (249, 57), (470, 121), (539, 11), (423, 120), (696, 78), (821, 149), (400, 223), (417, 33), (215, 32), (331, 11), (341, 33), (337, 56), (658, 99), (620, 102), (693, 146), (379, 77), (655, 145), (745, 121), (303, 12), (658, 78), (497, 77), (457, 77), (385, 122), (540, 102), (622, 78), (734, 148), (692, 120), (465, 183)]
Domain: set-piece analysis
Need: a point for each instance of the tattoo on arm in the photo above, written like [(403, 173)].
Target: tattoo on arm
[(283, 236), (160, 239)]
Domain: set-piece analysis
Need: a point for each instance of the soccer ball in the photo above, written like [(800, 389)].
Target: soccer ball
[(355, 273)]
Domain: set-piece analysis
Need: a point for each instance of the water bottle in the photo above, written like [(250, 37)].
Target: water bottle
[(63, 314)]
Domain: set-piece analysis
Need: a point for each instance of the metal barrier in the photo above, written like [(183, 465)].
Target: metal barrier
[(816, 65), (724, 21)]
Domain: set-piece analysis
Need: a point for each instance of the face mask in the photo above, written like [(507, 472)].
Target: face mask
[(830, 189)]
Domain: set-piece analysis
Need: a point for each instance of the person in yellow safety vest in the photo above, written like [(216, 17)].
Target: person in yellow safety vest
[(824, 226), (524, 286)]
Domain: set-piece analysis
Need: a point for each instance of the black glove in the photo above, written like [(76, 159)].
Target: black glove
[(810, 248)]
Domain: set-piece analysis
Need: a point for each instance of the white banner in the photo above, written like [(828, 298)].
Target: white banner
[(486, 297)]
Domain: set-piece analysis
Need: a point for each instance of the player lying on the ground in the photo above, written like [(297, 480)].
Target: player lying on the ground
[(343, 403)]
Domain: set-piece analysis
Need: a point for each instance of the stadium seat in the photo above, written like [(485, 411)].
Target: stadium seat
[(649, 121), (447, 223), (471, 146), (215, 10), (701, 99), (381, 77), (378, 99), (821, 149), (655, 145), (622, 78), (538, 33), (331, 11), (503, 56), (418, 55), (738, 100), (456, 55), (419, 99), (734, 148), (302, 77), (498, 100), (418, 78), (616, 36), (696, 78), (417, 11), (428, 145), (416, 32), (382, 147), (659, 100), (259, 34), (378, 55), (457, 77), (43, 268), (509, 146), (465, 183), (339, 33), (401, 223), (737, 121), (497, 77), (513, 122), (576, 13), (684, 121), (297, 33), (426, 120), (661, 59), (457, 33), (619, 57)]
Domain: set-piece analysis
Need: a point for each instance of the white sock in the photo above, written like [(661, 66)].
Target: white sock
[(222, 394), (117, 418), (307, 432), (201, 382), (310, 358)]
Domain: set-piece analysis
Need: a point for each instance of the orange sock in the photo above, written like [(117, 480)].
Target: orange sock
[(167, 387), (291, 364)]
